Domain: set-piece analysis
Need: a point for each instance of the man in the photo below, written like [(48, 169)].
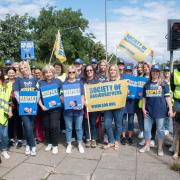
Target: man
[(78, 63), (38, 74), (121, 66), (93, 62), (8, 63), (175, 88), (33, 70)]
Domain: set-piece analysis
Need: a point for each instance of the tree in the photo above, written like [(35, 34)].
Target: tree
[(13, 30)]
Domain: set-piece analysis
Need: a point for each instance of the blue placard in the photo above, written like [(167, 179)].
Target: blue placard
[(28, 101), (27, 50), (72, 93), (140, 84), (132, 85), (50, 96)]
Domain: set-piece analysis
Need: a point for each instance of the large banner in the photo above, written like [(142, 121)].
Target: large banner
[(50, 96), (27, 50), (132, 85), (27, 103), (106, 96), (72, 96), (134, 48)]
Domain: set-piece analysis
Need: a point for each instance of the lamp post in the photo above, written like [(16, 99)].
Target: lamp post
[(105, 15)]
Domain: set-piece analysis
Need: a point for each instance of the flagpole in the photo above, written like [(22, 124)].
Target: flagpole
[(89, 128), (51, 54)]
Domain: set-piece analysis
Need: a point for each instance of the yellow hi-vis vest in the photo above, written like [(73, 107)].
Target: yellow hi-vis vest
[(177, 84), (5, 94)]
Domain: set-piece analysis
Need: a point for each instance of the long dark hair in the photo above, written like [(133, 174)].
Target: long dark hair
[(85, 73)]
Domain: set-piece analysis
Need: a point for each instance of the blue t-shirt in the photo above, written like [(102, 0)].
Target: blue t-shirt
[(130, 106), (155, 99), (25, 84), (72, 112), (101, 78)]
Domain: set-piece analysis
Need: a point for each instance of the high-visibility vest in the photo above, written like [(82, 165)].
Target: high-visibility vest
[(5, 94), (177, 84)]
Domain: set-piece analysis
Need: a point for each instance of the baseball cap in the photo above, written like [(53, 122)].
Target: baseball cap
[(78, 61), (166, 68), (155, 67), (93, 61), (8, 62), (120, 62), (128, 68)]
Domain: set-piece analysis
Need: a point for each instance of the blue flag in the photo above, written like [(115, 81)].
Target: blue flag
[(27, 103), (50, 96), (72, 96)]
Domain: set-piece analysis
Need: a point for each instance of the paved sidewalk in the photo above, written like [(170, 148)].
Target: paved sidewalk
[(96, 164)]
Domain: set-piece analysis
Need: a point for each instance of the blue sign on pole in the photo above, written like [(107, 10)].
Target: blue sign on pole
[(27, 50)]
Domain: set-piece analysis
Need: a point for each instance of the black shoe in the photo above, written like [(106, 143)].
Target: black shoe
[(11, 143), (19, 145), (123, 141), (130, 141)]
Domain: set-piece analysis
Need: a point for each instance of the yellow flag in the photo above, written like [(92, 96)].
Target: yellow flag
[(58, 48), (134, 48)]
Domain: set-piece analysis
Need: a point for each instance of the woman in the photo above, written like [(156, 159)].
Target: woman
[(89, 78), (5, 112), (26, 83), (103, 71), (116, 114), (75, 115), (60, 71), (156, 98), (15, 123), (51, 117)]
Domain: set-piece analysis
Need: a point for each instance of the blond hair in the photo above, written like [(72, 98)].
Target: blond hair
[(74, 68), (26, 64), (46, 68), (117, 72)]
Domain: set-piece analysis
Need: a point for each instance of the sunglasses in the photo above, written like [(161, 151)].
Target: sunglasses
[(71, 72), (89, 70)]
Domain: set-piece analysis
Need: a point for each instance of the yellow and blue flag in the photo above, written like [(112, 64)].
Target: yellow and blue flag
[(58, 48)]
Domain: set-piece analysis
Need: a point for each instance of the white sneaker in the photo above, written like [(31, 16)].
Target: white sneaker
[(141, 135), (160, 152), (142, 143), (105, 139), (54, 149), (5, 155), (27, 151), (69, 148), (152, 143), (166, 132), (81, 149), (48, 147), (144, 149), (33, 151)]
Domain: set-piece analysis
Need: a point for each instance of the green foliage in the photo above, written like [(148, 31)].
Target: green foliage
[(13, 30), (43, 29)]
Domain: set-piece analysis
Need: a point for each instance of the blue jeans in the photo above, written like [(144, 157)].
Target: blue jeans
[(139, 114), (78, 126), (166, 123), (148, 121), (130, 122), (28, 123), (4, 137), (92, 121), (117, 114)]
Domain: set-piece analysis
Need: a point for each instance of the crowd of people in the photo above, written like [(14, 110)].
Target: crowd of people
[(154, 109)]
